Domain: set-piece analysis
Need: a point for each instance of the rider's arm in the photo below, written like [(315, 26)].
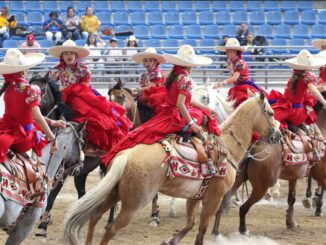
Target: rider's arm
[(312, 89), (200, 105), (184, 113), (229, 80), (41, 122)]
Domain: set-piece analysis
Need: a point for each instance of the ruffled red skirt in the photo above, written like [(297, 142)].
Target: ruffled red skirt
[(154, 97), (106, 121), (239, 93)]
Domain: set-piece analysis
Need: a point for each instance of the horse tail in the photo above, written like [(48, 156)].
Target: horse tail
[(226, 202), (84, 208)]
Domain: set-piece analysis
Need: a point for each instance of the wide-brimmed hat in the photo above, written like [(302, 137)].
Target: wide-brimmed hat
[(14, 61), (186, 57), (68, 45), (132, 38), (231, 43), (322, 54), (148, 53), (319, 43), (305, 61)]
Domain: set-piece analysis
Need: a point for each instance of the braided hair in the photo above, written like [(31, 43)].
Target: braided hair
[(295, 76), (4, 87)]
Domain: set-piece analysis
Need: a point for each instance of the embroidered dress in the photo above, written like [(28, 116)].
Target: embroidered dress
[(106, 123), (168, 120), (18, 130), (322, 74)]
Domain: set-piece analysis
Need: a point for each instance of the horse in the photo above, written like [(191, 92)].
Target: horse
[(123, 182), (317, 200), (18, 219), (264, 173)]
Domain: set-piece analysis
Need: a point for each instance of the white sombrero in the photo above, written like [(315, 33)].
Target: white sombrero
[(231, 43), (132, 38), (14, 61), (319, 43), (71, 46), (305, 61), (186, 57), (322, 54), (148, 53)]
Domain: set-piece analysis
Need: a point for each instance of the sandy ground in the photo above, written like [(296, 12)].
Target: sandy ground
[(266, 222)]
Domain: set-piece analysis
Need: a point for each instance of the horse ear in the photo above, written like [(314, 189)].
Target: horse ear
[(82, 126), (262, 95), (119, 82), (250, 94)]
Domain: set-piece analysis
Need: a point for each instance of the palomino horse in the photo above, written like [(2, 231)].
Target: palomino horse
[(123, 181), (68, 158), (263, 174)]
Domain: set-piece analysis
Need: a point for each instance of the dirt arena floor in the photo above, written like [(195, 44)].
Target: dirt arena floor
[(265, 221)]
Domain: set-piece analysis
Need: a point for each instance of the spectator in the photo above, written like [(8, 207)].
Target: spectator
[(132, 44), (53, 27), (242, 34), (113, 54), (71, 22), (6, 22), (30, 43), (89, 23)]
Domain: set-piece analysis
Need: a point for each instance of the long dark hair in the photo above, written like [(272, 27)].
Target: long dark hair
[(294, 78), (4, 87), (169, 80), (89, 37)]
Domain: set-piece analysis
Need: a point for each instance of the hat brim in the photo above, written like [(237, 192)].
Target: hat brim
[(318, 43), (322, 54), (139, 57), (56, 51), (32, 59), (318, 61), (198, 60), (224, 48)]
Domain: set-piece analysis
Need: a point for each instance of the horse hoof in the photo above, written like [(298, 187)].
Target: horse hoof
[(314, 202), (166, 243), (306, 202), (319, 214), (292, 225), (40, 233), (153, 223), (245, 233), (217, 238)]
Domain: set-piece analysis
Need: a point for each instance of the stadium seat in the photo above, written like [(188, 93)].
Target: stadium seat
[(274, 18), (176, 31), (271, 6), (122, 28), (17, 6), (308, 17), (172, 18), (34, 6), (118, 6), (135, 6), (50, 6), (283, 31), (185, 6), (152, 6), (291, 17), (10, 43), (155, 43), (35, 18), (169, 6), (120, 18), (137, 18), (206, 18), (202, 6), (141, 31), (211, 32), (189, 18), (104, 17), (266, 31), (301, 31), (193, 31), (318, 31), (279, 42), (20, 18), (257, 18), (191, 42), (171, 43), (237, 6), (254, 6), (220, 5), (207, 43), (296, 42), (223, 18), (229, 30), (288, 5), (312, 50), (45, 44), (65, 4), (322, 17), (158, 32), (155, 18), (239, 17), (82, 5), (101, 6), (305, 5)]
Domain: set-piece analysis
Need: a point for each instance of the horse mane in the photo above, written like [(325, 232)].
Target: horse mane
[(119, 86)]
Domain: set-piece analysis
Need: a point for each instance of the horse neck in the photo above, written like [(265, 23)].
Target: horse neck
[(132, 108)]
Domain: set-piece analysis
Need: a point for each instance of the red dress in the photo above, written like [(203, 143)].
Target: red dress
[(168, 120), (322, 74), (292, 106), (18, 130), (106, 121)]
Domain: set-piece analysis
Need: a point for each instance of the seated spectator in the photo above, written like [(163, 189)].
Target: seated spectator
[(6, 22), (113, 52), (53, 27), (71, 22), (89, 23), (242, 34), (30, 44), (132, 44)]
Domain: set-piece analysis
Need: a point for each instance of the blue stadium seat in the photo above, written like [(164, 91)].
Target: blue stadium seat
[(155, 18), (288, 5), (121, 43), (158, 32), (202, 6), (152, 6), (185, 6), (101, 6), (135, 6), (34, 6), (20, 18), (65, 4), (308, 17), (229, 30), (207, 43), (80, 42), (137, 18), (104, 17), (141, 31), (220, 6), (176, 31), (305, 5), (254, 6), (257, 18), (120, 18), (17, 6), (322, 17), (283, 31), (318, 31), (296, 42), (206, 18), (211, 32), (239, 17), (301, 31), (266, 31), (279, 42), (82, 5), (193, 31), (10, 43), (50, 6), (291, 17), (223, 18), (191, 42), (169, 6), (237, 6), (122, 28), (271, 6), (274, 18), (312, 50), (155, 43), (189, 18), (171, 43), (118, 6), (172, 18), (44, 43), (35, 18)]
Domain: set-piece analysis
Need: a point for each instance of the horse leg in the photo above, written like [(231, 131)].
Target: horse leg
[(290, 223), (155, 218), (306, 202), (319, 203), (111, 216), (173, 210), (80, 184), (276, 189)]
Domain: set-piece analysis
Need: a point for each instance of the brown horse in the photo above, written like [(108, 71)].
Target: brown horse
[(264, 174), (135, 175)]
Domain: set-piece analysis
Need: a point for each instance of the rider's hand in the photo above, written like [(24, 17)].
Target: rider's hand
[(58, 124), (218, 85), (196, 129), (54, 147)]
